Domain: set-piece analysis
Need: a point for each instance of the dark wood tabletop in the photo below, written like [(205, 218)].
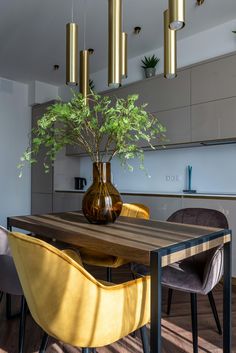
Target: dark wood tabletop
[(130, 238)]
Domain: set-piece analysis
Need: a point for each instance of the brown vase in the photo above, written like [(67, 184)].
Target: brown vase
[(102, 202)]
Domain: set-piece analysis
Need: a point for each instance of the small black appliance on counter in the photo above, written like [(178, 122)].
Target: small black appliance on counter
[(80, 183)]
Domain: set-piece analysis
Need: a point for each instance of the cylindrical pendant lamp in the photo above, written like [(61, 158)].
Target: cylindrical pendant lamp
[(114, 43), (124, 63), (72, 54), (176, 14), (169, 49), (84, 74)]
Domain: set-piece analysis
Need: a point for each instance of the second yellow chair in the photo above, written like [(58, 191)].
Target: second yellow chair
[(91, 257)]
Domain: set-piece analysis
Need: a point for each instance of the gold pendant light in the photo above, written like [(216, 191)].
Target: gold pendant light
[(114, 43), (169, 49), (124, 63), (177, 14), (84, 74), (72, 54)]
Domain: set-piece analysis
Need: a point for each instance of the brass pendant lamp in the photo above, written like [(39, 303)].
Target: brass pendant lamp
[(114, 43), (72, 30), (124, 62), (84, 74), (84, 65), (169, 49), (72, 54), (176, 14)]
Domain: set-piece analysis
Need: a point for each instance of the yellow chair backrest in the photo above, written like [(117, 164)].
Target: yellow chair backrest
[(70, 304), (136, 210)]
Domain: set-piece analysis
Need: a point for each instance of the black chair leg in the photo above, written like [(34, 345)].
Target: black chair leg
[(194, 322), (8, 306), (22, 324), (144, 338), (169, 300), (9, 314), (214, 311), (44, 343), (109, 274)]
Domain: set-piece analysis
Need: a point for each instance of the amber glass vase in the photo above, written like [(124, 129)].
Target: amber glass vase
[(102, 202)]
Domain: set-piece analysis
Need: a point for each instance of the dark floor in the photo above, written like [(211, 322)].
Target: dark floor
[(176, 329)]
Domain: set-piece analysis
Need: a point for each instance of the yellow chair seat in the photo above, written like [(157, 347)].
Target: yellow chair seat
[(70, 304), (92, 257)]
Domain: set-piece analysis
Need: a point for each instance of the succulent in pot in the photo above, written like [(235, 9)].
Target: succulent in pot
[(105, 128), (149, 65)]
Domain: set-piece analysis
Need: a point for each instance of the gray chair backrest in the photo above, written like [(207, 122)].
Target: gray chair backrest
[(200, 216), (212, 260), (9, 281), (4, 246)]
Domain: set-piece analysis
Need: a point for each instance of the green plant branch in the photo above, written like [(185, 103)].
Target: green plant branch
[(119, 123)]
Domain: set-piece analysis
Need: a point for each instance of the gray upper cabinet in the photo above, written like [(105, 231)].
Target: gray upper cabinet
[(177, 123), (214, 80), (214, 120), (199, 105), (158, 92)]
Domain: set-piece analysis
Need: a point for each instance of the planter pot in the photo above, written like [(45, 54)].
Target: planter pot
[(102, 202), (150, 72)]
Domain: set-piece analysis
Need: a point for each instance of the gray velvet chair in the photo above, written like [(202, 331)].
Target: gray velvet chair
[(10, 284), (198, 274)]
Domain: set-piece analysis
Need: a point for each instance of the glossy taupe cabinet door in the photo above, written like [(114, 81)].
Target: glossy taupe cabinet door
[(214, 120), (213, 80), (158, 92), (177, 123), (41, 182), (67, 201), (41, 203)]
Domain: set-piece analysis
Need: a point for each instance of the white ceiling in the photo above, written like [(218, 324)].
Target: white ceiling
[(32, 32)]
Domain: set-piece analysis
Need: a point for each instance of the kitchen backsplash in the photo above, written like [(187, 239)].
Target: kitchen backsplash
[(213, 170)]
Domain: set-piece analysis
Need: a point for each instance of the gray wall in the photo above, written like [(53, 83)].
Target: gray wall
[(14, 129)]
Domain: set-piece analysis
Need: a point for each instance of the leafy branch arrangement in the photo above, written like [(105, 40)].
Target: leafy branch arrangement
[(114, 127), (150, 62)]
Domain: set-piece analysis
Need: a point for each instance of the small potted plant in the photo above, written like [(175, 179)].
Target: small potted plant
[(149, 65), (105, 128)]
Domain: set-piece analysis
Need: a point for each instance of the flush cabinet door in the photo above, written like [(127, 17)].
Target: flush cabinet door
[(41, 203), (40, 181), (214, 80), (65, 202), (158, 92), (214, 120), (177, 123)]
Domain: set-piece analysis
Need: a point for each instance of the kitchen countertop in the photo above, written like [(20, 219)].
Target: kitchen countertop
[(165, 194)]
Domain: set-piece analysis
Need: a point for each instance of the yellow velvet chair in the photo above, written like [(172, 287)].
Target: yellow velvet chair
[(91, 257), (69, 304)]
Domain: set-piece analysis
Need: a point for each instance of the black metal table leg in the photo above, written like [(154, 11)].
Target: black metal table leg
[(22, 324), (155, 335), (227, 320), (109, 274)]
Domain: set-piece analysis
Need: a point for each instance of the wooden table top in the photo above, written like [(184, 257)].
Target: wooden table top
[(128, 237)]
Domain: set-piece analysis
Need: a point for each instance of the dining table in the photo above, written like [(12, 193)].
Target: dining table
[(149, 242)]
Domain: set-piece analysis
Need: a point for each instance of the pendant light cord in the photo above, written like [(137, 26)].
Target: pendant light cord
[(72, 11), (85, 22)]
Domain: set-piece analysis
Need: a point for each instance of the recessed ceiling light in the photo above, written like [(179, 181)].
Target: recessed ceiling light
[(199, 2), (137, 30), (91, 51)]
